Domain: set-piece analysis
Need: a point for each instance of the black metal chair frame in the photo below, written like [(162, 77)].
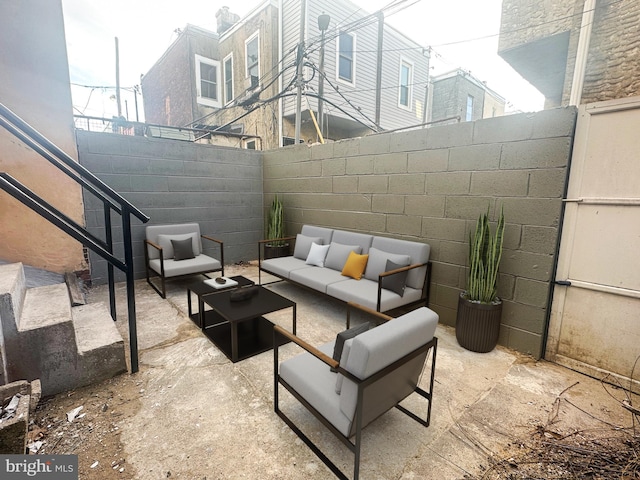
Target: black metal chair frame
[(363, 384), (162, 291)]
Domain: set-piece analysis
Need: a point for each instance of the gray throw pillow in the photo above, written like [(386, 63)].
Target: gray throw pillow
[(397, 281), (338, 254), (182, 249), (344, 336)]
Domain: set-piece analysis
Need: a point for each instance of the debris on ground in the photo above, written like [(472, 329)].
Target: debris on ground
[(9, 411), (606, 451)]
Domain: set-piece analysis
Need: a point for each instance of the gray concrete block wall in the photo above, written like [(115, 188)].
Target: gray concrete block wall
[(175, 182), (431, 185)]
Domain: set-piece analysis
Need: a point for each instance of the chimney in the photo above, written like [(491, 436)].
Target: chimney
[(225, 19)]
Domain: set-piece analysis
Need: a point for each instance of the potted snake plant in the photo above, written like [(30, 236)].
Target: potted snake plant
[(275, 230), (479, 307)]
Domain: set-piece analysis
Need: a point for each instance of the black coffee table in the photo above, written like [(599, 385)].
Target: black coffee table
[(200, 289), (239, 329)]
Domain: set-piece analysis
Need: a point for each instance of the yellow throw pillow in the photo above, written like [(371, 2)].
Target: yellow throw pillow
[(355, 265)]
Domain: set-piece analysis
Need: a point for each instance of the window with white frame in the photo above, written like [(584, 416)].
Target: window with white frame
[(228, 79), (469, 115), (252, 59), (208, 81), (406, 79), (346, 57)]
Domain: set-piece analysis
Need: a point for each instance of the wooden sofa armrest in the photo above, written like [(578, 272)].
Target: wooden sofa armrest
[(305, 346), (276, 240), (400, 270), (212, 239), (154, 245), (380, 316), (425, 287)]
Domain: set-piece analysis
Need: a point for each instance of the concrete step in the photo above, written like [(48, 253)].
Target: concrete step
[(99, 343), (45, 306), (12, 292)]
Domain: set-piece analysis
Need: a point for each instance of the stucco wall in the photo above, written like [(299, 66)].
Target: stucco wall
[(177, 182), (430, 185), (34, 83)]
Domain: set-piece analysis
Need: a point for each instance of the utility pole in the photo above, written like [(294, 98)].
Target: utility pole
[(118, 79), (323, 24), (379, 69), (303, 20)]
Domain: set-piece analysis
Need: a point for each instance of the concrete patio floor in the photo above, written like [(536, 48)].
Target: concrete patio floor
[(209, 418)]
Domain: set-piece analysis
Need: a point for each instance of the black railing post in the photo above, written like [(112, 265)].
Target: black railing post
[(110, 276), (131, 293)]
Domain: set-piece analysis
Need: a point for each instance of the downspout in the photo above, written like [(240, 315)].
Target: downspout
[(554, 268), (577, 83)]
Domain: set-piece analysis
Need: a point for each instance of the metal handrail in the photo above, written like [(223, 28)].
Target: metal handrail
[(111, 201)]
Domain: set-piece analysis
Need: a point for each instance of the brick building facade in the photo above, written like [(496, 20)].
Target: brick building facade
[(541, 41)]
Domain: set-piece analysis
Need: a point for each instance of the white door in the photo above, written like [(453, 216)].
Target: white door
[(595, 317)]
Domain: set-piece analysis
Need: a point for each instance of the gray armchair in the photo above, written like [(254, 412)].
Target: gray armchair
[(173, 251), (377, 370)]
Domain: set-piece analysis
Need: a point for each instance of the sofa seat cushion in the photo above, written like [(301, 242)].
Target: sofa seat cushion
[(173, 268), (283, 266), (365, 292), (320, 392), (317, 278)]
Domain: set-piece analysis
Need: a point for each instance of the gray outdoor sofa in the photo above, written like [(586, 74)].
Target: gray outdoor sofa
[(380, 288)]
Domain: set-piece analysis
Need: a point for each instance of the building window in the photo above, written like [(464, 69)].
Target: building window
[(346, 57), (208, 81), (252, 54), (228, 79), (406, 79), (251, 145), (469, 115)]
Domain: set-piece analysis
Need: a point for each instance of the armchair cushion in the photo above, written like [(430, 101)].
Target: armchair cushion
[(373, 350), (172, 268), (344, 336), (320, 392), (182, 249)]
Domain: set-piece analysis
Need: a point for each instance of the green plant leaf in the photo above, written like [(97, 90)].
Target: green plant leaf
[(485, 254)]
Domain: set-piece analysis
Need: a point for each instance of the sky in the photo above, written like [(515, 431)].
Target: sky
[(462, 34)]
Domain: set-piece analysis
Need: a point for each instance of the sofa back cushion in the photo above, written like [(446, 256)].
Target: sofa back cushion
[(303, 245), (352, 238), (312, 231), (379, 347), (338, 254), (163, 234), (418, 252), (377, 263)]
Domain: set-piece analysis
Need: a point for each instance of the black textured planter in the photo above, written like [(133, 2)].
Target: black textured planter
[(478, 325), (275, 251)]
